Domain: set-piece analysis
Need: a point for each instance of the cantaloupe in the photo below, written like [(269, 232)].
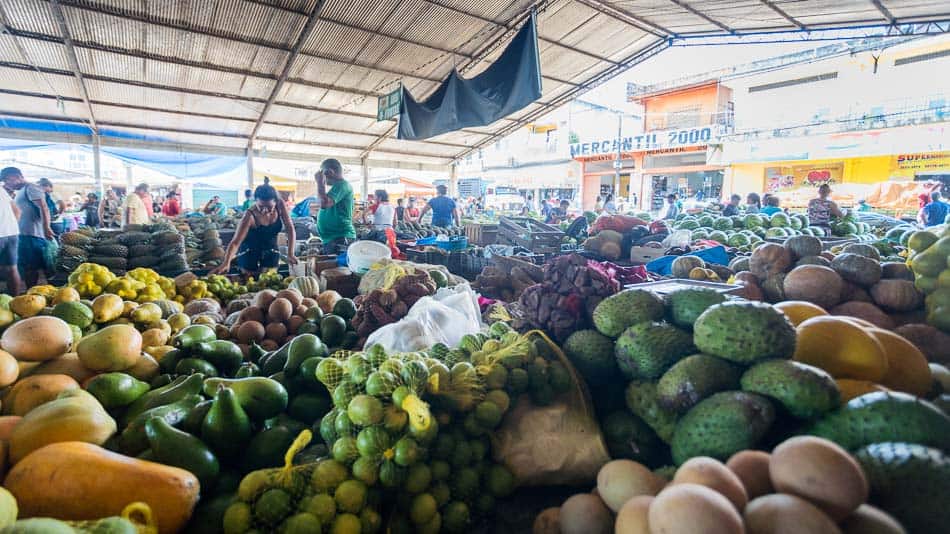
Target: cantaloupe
[(840, 347)]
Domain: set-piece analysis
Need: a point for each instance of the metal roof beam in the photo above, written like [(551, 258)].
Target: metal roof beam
[(702, 15), (891, 19), (781, 12), (207, 133), (628, 18), (71, 58), (638, 57), (301, 39), (544, 40)]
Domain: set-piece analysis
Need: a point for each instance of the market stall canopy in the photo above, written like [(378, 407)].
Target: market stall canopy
[(300, 79)]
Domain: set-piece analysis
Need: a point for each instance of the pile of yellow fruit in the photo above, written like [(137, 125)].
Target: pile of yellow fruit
[(929, 258)]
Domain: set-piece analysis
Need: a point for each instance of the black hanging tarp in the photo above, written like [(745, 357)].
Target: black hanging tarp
[(509, 84)]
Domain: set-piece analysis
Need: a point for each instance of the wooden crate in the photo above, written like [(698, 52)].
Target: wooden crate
[(530, 234), (481, 234)]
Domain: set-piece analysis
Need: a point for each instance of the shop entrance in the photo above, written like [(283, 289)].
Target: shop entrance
[(698, 187)]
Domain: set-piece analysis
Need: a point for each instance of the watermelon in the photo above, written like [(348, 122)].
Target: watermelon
[(796, 222), (700, 233), (718, 236), (688, 224), (707, 220), (754, 220), (776, 232), (780, 220), (738, 240), (723, 223)]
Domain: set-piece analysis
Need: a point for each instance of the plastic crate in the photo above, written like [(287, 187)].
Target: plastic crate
[(481, 234), (530, 234), (453, 244)]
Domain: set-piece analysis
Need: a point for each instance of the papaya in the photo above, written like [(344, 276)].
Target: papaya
[(9, 370), (37, 338), (32, 391), (154, 337), (76, 480), (66, 364), (262, 398), (107, 307), (180, 449), (74, 416), (7, 424), (113, 348), (226, 427), (145, 368)]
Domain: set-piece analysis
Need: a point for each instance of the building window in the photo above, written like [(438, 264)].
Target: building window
[(684, 117)]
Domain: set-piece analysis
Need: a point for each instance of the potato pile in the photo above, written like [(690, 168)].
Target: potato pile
[(271, 319), (807, 485)]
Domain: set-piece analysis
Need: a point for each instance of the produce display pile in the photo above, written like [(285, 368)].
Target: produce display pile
[(816, 401), (156, 246)]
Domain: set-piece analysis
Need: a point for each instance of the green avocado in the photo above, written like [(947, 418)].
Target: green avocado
[(180, 449), (226, 428), (190, 366), (133, 439), (261, 397), (178, 389), (114, 390), (193, 335), (224, 355)]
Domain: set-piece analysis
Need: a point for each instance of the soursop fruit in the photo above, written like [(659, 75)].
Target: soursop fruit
[(694, 378), (686, 305), (592, 353), (744, 332), (641, 399), (618, 312), (647, 350), (804, 391), (909, 481), (722, 425)]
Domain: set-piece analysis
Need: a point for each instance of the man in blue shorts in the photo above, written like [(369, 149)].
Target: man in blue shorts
[(444, 211), (12, 180), (35, 231)]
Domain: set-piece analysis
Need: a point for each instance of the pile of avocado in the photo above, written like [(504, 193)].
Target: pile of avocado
[(217, 413), (710, 376)]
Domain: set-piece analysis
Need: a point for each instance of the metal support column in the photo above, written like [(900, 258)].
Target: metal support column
[(364, 179), (618, 164), (129, 183), (454, 180), (250, 169), (96, 167)]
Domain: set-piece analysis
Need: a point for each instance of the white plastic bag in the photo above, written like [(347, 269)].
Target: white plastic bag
[(679, 238), (443, 318)]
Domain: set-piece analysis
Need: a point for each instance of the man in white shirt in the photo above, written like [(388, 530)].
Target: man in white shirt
[(12, 179)]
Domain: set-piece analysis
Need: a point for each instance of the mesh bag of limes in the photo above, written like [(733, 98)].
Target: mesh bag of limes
[(409, 439)]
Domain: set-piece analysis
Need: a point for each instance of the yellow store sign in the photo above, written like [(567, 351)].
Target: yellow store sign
[(926, 162)]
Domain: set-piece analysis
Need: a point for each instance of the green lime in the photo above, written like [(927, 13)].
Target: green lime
[(350, 496), (479, 450), (330, 371), (372, 441), (407, 452), (485, 503), (371, 521), (518, 381), (400, 394), (343, 425), (440, 469), (380, 384), (322, 506), (365, 410), (499, 398), (465, 484), (327, 475), (488, 414), (419, 478), (272, 506), (423, 508), (302, 523), (497, 376), (394, 419), (346, 524), (366, 469), (391, 475), (500, 481), (444, 447), (456, 517), (345, 451), (237, 518)]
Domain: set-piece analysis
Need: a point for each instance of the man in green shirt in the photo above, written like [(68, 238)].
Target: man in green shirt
[(335, 221)]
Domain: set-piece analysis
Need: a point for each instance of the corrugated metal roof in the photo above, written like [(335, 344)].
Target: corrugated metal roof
[(202, 71)]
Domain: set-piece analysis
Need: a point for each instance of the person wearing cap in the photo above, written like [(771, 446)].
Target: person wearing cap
[(12, 179), (134, 210), (36, 231)]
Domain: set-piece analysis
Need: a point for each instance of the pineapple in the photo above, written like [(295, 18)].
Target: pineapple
[(112, 251), (76, 239), (133, 238)]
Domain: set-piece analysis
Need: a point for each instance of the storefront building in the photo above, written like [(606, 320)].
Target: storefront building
[(671, 156)]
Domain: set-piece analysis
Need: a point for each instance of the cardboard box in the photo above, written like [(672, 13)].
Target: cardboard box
[(645, 254)]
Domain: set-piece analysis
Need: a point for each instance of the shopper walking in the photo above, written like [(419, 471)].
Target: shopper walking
[(91, 210), (753, 204), (134, 209), (384, 216), (412, 212), (922, 200), (400, 210), (335, 221), (822, 209), (936, 212), (12, 179), (36, 233), (672, 210), (254, 245), (610, 207), (109, 210), (732, 208), (171, 207), (444, 209)]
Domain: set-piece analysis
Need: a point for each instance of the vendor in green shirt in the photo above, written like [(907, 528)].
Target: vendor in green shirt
[(335, 221)]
